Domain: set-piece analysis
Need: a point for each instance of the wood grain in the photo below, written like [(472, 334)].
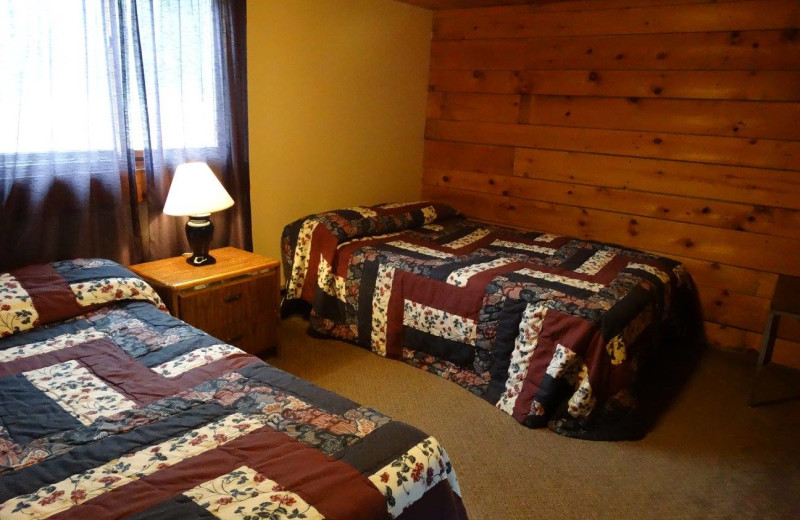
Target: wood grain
[(772, 120), (460, 4), (529, 23), (726, 215), (744, 50), (765, 188), (479, 158), (726, 337), (466, 8), (750, 282), (242, 313), (665, 125), (754, 85), (502, 108), (651, 234), (733, 151), (455, 7), (177, 274)]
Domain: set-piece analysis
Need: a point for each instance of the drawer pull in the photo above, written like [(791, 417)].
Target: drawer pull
[(235, 339), (233, 298)]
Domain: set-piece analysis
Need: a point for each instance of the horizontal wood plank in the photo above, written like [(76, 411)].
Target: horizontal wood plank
[(745, 50), (763, 153), (750, 282), (660, 236), (762, 187), (501, 108), (726, 215), (433, 109), (786, 352), (523, 7), (469, 157), (478, 81), (703, 117), (756, 85), (770, 120), (725, 307), (743, 311), (692, 18), (461, 4), (761, 85)]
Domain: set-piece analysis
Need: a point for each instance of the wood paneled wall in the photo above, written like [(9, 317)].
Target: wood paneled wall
[(671, 126)]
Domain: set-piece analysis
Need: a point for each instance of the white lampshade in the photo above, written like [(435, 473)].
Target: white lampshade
[(195, 190)]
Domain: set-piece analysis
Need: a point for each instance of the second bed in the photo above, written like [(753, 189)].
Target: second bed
[(551, 329)]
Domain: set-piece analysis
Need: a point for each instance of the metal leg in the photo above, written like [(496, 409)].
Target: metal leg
[(765, 354), (768, 342)]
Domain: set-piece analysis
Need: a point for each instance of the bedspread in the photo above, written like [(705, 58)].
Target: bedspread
[(549, 328), (111, 408)]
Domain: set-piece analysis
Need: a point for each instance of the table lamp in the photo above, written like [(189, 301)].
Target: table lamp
[(196, 192)]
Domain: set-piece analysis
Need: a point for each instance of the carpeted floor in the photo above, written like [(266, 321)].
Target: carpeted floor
[(710, 456)]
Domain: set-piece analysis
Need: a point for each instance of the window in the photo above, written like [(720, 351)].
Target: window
[(181, 46), (63, 90), (100, 101)]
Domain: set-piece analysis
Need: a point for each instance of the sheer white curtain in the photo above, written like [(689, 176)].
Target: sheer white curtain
[(189, 57), (87, 84), (63, 138)]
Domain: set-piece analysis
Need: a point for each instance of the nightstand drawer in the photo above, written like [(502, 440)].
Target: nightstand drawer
[(223, 309), (251, 335)]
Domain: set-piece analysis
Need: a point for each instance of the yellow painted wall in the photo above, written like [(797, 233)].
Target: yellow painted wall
[(337, 92)]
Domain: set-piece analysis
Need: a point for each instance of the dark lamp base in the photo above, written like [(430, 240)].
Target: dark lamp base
[(199, 232), (198, 261)]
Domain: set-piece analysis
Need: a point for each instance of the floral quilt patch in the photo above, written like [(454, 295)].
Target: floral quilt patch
[(104, 290), (249, 495), (51, 344), (17, 312), (380, 306), (524, 247), (473, 237), (195, 358), (461, 277), (525, 344), (404, 480), (427, 251), (566, 280), (135, 465), (78, 391), (438, 322), (40, 294)]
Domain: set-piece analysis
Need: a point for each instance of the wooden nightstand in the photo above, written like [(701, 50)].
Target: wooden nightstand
[(235, 300)]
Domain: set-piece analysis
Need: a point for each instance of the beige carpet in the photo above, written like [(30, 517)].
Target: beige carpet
[(710, 457)]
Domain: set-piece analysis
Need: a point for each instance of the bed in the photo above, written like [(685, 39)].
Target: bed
[(553, 330), (111, 408)]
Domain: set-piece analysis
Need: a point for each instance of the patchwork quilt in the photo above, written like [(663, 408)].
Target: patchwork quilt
[(111, 408), (550, 329)]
